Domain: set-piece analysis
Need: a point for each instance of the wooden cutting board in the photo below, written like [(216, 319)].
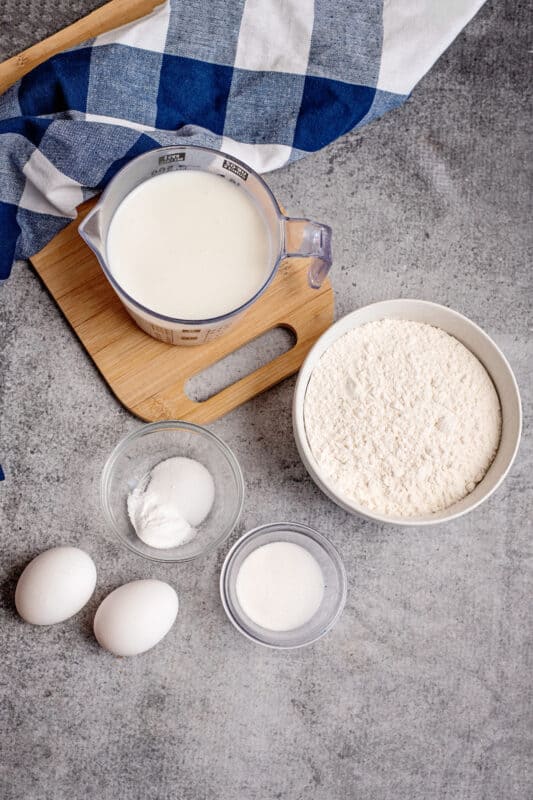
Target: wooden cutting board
[(147, 376)]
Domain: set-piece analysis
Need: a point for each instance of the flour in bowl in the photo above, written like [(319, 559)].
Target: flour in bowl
[(401, 418)]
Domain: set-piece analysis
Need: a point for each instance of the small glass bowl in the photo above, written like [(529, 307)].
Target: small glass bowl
[(140, 452), (334, 584)]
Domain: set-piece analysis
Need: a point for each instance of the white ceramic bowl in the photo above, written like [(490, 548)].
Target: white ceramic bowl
[(478, 343)]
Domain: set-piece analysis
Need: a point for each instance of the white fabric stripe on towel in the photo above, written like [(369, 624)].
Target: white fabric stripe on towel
[(47, 190), (148, 33), (415, 34), (260, 157), (275, 36)]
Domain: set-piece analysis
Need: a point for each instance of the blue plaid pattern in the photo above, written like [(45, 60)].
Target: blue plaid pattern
[(265, 80)]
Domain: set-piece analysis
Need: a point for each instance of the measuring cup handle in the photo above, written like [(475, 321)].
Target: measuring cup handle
[(306, 239)]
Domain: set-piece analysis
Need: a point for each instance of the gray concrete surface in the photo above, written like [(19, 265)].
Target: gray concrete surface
[(423, 690)]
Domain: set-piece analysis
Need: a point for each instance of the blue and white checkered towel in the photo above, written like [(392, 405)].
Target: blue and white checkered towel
[(265, 80)]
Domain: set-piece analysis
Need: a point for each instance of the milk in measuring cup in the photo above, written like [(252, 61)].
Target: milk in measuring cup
[(189, 245)]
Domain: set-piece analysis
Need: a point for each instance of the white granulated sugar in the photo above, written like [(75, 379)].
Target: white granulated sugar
[(401, 418)]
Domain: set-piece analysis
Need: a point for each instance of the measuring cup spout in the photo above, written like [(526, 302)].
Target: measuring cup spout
[(90, 231), (306, 239)]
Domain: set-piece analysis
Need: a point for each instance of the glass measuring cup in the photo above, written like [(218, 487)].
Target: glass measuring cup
[(288, 237)]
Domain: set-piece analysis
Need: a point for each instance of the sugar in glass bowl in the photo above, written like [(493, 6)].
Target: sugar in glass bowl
[(139, 452), (334, 577)]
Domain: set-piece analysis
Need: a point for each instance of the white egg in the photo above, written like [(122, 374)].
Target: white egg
[(135, 617), (55, 585)]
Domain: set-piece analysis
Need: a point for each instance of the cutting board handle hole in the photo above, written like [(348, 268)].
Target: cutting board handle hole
[(240, 363)]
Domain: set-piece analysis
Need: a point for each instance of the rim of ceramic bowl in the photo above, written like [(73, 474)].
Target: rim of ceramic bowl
[(307, 531), (151, 427), (338, 329)]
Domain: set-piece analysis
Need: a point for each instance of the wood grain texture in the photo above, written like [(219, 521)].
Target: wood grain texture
[(148, 376), (109, 16)]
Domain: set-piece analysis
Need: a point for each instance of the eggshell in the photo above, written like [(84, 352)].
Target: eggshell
[(55, 585), (135, 617)]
